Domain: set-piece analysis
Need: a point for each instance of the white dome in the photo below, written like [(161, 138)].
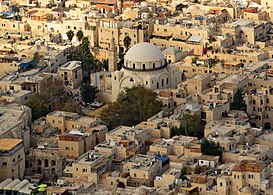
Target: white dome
[(144, 52), (144, 57)]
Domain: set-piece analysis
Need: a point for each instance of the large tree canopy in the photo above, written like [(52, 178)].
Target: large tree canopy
[(190, 125), (51, 96), (210, 148), (133, 105)]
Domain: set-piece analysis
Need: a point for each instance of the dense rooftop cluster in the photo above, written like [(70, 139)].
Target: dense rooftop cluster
[(82, 81)]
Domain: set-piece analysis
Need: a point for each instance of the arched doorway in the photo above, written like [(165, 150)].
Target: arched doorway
[(267, 125), (253, 125)]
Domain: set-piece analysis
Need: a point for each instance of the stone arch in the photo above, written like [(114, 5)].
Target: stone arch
[(129, 81)]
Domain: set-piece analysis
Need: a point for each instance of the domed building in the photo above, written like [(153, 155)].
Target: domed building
[(144, 63)]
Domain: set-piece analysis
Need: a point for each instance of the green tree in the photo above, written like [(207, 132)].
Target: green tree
[(210, 148), (68, 105), (38, 106), (51, 96), (80, 35), (238, 100), (85, 45), (88, 61), (121, 60), (88, 92), (70, 35), (127, 41), (190, 125), (133, 105)]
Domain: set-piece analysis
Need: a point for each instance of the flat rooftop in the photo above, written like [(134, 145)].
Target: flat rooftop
[(10, 116), (125, 131), (91, 157), (141, 161), (176, 140), (71, 65), (9, 144)]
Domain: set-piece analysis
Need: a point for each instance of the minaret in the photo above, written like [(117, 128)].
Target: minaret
[(112, 56)]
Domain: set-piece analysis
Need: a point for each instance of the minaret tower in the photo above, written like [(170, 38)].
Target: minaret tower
[(112, 56)]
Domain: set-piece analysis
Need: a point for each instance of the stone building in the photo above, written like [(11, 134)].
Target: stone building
[(89, 166), (67, 121), (73, 144), (143, 170), (144, 63), (16, 122), (12, 159), (71, 74), (45, 159)]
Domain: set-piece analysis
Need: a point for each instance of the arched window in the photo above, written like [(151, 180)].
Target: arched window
[(53, 163), (153, 65), (162, 82), (53, 171), (39, 162), (4, 163), (143, 66), (46, 163), (134, 66), (167, 81)]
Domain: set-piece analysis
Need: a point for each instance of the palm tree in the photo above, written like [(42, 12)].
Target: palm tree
[(70, 35), (127, 41), (80, 35)]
